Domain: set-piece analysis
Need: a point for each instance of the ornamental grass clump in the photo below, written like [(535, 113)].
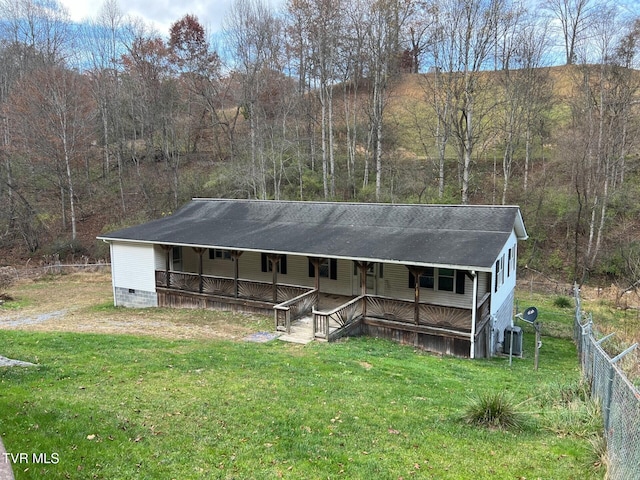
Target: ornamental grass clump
[(494, 410), (562, 302)]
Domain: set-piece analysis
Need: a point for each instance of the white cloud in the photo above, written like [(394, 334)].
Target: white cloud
[(159, 13)]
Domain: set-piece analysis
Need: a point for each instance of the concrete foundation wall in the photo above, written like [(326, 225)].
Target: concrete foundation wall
[(129, 297)]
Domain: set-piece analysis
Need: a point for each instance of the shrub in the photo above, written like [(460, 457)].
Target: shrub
[(66, 249), (7, 277), (562, 302), (494, 410)]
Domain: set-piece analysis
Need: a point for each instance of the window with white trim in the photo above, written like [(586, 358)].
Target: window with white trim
[(446, 279), (514, 262), (499, 280)]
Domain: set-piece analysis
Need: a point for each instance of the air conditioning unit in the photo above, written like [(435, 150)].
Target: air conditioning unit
[(514, 332)]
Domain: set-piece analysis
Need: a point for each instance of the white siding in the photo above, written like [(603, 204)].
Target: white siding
[(133, 266), (503, 317), (501, 298), (160, 258)]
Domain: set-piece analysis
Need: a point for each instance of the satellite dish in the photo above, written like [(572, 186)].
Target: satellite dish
[(530, 314)]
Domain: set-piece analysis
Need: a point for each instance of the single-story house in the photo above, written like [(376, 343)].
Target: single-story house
[(440, 277)]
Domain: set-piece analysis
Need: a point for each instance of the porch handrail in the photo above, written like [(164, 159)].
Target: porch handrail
[(343, 315), (300, 304), (176, 276)]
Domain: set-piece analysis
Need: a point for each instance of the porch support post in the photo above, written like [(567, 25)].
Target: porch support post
[(363, 266), (235, 254), (316, 267), (167, 273), (200, 251), (474, 313), (275, 261), (417, 273)]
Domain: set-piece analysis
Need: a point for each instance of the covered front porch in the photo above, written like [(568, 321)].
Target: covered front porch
[(328, 316)]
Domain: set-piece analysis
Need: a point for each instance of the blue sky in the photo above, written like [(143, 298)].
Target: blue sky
[(159, 13)]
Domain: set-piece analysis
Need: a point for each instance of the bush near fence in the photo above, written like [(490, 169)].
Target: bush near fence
[(619, 399)]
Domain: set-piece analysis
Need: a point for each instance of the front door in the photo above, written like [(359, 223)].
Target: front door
[(373, 274)]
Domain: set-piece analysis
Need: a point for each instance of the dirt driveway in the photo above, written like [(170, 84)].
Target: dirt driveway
[(83, 302)]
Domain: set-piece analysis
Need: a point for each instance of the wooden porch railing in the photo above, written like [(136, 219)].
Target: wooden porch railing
[(433, 315), (339, 317), (212, 285), (295, 308)]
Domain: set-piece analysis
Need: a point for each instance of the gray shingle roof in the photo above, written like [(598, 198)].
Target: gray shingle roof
[(444, 235)]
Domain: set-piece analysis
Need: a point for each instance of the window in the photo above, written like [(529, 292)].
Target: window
[(514, 262), (426, 279), (509, 263), (217, 254), (499, 273), (460, 281), (267, 266), (176, 257), (446, 279), (324, 268), (328, 268)]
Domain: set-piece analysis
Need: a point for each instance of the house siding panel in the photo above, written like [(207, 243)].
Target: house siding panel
[(134, 275), (160, 257), (396, 284), (503, 317), (504, 291), (220, 267)]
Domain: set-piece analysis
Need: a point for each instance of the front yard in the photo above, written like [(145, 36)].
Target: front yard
[(191, 399)]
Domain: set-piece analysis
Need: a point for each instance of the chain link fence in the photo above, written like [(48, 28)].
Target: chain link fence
[(618, 398)]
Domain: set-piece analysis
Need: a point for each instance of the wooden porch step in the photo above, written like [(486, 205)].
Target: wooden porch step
[(301, 331)]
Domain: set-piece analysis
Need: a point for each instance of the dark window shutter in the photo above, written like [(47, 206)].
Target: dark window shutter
[(412, 280), (333, 269), (460, 278), (312, 269), (265, 262), (380, 271), (283, 264)]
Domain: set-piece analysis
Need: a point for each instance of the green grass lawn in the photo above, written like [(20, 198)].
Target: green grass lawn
[(125, 407)]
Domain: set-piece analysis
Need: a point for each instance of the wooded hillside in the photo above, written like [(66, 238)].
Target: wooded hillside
[(383, 101)]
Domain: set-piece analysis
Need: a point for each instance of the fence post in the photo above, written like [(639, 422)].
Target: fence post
[(606, 410)]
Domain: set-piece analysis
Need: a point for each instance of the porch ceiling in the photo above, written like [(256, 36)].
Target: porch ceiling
[(439, 235)]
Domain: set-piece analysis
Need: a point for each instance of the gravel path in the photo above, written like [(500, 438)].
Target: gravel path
[(9, 321), (6, 472)]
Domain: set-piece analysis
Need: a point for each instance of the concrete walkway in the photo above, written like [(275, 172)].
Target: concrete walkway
[(6, 473)]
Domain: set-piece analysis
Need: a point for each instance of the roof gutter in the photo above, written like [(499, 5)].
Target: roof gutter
[(303, 254)]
